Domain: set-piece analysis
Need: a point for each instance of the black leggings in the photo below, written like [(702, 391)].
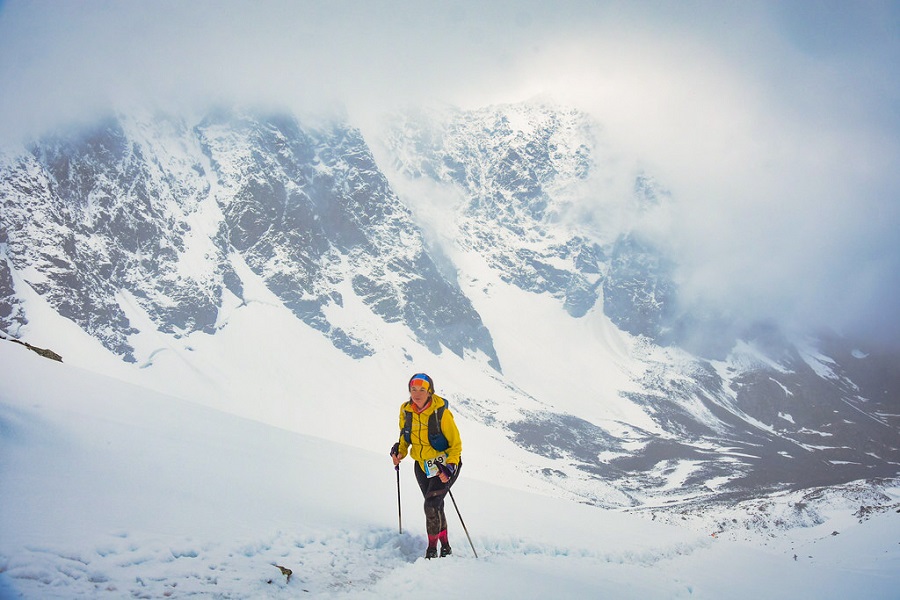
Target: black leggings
[(434, 491)]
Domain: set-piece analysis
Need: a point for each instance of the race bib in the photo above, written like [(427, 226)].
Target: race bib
[(431, 465)]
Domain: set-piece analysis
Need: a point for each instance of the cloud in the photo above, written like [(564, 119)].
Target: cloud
[(775, 125), (780, 159)]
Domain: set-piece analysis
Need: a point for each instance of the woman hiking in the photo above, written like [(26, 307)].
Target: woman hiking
[(429, 435)]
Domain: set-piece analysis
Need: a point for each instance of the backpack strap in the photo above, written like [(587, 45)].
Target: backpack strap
[(406, 432)]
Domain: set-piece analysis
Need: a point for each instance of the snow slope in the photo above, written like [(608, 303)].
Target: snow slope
[(110, 490)]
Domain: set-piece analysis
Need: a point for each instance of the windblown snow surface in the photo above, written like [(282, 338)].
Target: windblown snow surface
[(110, 490)]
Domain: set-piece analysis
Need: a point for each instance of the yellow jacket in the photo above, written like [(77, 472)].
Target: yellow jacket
[(420, 449)]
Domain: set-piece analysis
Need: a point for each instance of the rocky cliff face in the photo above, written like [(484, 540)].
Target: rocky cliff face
[(153, 211), (520, 168)]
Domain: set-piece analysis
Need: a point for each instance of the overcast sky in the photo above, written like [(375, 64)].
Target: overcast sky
[(776, 125)]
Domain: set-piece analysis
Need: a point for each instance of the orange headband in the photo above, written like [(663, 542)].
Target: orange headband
[(421, 383)]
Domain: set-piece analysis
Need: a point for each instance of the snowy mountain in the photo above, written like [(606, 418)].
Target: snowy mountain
[(153, 212), (768, 414), (266, 266)]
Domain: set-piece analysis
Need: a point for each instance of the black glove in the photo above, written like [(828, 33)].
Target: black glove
[(395, 449), (449, 469)]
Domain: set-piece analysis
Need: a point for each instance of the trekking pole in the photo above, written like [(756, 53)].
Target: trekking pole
[(463, 523), (395, 451), (399, 512)]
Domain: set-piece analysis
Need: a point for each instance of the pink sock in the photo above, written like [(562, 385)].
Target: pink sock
[(443, 537), (433, 540)]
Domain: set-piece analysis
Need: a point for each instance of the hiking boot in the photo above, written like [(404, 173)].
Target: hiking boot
[(431, 553), (446, 551)]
